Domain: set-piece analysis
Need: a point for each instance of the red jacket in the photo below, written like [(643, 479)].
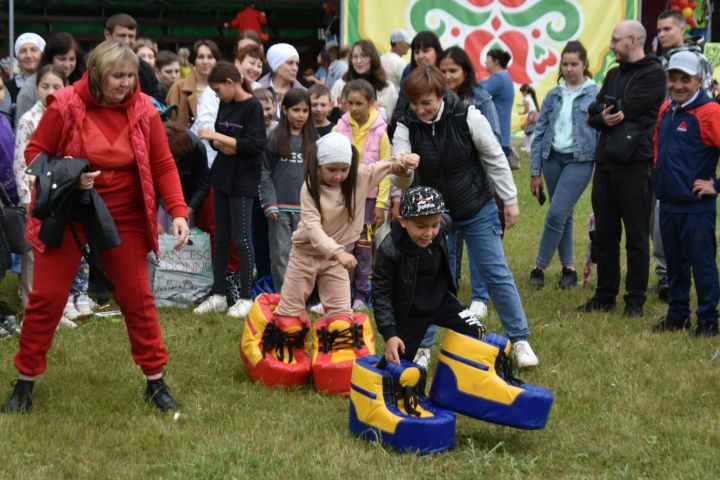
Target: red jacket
[(59, 134)]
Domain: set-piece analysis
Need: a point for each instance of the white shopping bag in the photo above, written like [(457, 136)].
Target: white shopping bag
[(180, 277)]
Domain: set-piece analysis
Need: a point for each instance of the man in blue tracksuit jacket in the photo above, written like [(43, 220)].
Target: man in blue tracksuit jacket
[(687, 146)]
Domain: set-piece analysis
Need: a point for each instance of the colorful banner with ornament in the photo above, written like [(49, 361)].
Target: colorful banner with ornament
[(533, 31)]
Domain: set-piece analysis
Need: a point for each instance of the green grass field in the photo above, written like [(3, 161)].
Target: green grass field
[(629, 403)]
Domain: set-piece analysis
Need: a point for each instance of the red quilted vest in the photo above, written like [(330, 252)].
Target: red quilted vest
[(72, 109)]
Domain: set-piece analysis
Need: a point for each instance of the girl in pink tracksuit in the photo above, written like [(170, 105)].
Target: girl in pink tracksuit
[(332, 203), (365, 128)]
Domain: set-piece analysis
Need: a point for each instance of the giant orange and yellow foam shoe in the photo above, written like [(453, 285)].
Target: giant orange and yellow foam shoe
[(474, 377), (388, 403), (272, 346), (336, 342)]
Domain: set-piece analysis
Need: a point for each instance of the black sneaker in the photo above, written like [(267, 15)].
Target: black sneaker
[(568, 278), (20, 400), (595, 305), (666, 325), (706, 330), (158, 392), (537, 278), (663, 289), (633, 311)]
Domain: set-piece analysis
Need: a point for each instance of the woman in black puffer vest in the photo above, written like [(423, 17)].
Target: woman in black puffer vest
[(461, 158)]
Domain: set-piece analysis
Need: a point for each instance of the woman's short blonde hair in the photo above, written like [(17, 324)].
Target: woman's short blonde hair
[(103, 58)]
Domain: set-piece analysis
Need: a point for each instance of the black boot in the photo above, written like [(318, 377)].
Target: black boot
[(569, 278), (537, 278), (158, 392), (706, 329), (666, 325), (20, 400), (595, 305)]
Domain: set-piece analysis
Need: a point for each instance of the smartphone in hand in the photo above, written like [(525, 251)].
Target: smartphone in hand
[(541, 196), (616, 103)]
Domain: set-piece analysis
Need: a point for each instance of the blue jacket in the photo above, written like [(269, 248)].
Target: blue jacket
[(584, 136), (482, 100), (687, 145)]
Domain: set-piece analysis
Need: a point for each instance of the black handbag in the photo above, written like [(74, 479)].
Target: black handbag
[(622, 142), (13, 221)]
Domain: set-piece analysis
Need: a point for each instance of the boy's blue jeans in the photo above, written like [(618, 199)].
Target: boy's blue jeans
[(482, 232), (689, 241), (566, 181)]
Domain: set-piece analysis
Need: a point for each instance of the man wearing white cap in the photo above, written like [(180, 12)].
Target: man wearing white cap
[(284, 61), (687, 142), (671, 26), (392, 61)]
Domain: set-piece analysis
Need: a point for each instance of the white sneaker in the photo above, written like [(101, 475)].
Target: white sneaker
[(214, 303), (84, 305), (241, 308), (66, 322), (422, 357), (479, 309), (318, 309), (70, 311), (359, 305), (524, 355)]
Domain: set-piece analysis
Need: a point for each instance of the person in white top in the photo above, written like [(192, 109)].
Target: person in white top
[(365, 64), (392, 61), (530, 108)]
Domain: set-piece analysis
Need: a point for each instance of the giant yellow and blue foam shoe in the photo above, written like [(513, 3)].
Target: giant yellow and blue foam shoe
[(272, 346), (389, 404), (474, 377), (336, 342)]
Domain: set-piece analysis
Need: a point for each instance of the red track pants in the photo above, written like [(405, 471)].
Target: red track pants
[(126, 266)]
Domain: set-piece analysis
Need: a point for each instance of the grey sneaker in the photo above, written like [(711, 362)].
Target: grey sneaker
[(70, 311), (9, 325), (422, 357)]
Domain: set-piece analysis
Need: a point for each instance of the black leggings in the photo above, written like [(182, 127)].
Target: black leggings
[(232, 220)]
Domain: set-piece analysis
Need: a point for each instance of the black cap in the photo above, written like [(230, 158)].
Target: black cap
[(421, 201)]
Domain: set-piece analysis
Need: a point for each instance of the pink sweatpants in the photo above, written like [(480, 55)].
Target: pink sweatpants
[(302, 272)]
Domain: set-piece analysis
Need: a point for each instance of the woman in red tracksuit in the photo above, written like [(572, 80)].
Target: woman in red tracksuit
[(105, 118)]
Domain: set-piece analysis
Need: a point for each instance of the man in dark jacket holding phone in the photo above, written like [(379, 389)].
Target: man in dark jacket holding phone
[(625, 114)]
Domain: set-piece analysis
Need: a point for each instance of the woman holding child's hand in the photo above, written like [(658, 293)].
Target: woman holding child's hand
[(466, 164)]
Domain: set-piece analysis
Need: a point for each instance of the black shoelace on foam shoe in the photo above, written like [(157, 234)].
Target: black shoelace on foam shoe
[(274, 338)]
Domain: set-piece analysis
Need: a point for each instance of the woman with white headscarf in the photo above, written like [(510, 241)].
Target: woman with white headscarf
[(284, 61), (28, 50)]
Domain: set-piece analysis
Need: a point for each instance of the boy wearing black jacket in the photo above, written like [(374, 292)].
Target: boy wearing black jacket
[(412, 284)]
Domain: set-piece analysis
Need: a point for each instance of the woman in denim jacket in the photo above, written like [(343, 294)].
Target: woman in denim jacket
[(563, 150)]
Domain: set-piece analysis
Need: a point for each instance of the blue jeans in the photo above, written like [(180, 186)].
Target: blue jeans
[(566, 181), (479, 289), (482, 232)]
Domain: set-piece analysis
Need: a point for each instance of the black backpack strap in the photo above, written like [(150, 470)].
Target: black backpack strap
[(460, 119)]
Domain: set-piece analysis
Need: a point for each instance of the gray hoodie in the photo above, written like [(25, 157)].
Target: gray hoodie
[(281, 178)]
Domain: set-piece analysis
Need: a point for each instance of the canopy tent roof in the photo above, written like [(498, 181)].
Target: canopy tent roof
[(170, 23)]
